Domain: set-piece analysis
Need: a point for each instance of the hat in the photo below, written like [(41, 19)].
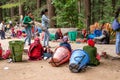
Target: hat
[(65, 38), (91, 42)]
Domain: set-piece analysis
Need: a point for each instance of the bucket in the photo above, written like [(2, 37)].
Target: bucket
[(91, 36), (52, 36), (79, 59), (61, 55), (72, 35), (98, 32), (17, 48)]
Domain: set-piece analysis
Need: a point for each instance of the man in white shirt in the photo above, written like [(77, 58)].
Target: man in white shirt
[(2, 30)]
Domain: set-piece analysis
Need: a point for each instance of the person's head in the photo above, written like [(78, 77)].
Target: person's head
[(104, 32), (66, 34), (37, 40), (45, 12), (23, 32), (59, 30), (31, 16), (29, 13), (3, 22), (91, 43), (65, 39), (84, 31)]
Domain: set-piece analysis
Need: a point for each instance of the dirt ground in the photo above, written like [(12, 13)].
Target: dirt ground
[(42, 70)]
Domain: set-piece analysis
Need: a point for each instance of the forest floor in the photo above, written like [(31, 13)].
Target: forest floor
[(41, 70)]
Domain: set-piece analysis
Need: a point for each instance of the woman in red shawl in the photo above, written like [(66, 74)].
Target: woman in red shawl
[(36, 50)]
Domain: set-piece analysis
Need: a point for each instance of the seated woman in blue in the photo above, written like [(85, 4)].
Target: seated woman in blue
[(65, 43)]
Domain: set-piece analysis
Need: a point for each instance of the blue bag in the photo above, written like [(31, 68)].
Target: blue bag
[(115, 25), (78, 61)]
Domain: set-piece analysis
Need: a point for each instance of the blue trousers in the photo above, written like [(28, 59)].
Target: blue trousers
[(46, 38), (117, 42), (29, 35), (2, 33)]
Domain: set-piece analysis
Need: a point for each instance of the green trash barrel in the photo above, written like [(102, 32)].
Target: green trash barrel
[(16, 48), (52, 36), (72, 35)]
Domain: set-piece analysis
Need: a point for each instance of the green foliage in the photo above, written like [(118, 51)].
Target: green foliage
[(67, 13), (10, 5), (14, 4)]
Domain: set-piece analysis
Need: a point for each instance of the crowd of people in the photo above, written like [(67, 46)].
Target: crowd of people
[(37, 51)]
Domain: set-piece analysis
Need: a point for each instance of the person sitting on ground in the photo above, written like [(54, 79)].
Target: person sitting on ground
[(24, 34), (19, 34), (65, 43), (47, 53), (35, 50), (92, 52), (58, 35), (83, 36), (104, 38)]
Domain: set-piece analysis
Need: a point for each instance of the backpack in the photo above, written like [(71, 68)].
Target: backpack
[(78, 60)]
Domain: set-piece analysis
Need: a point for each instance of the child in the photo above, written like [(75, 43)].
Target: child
[(19, 33), (35, 50), (13, 32), (92, 52), (24, 34), (47, 53)]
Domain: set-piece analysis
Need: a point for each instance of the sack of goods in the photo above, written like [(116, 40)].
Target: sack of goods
[(61, 56), (78, 61)]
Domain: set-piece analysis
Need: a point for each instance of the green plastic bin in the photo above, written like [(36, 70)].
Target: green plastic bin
[(52, 36), (72, 35), (16, 48)]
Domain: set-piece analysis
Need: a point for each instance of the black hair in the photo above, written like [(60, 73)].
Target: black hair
[(117, 12), (43, 11), (28, 12)]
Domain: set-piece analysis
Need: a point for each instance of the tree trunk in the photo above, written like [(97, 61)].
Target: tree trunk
[(51, 12), (87, 4), (12, 12), (1, 17), (38, 4), (79, 5), (113, 5), (20, 10)]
